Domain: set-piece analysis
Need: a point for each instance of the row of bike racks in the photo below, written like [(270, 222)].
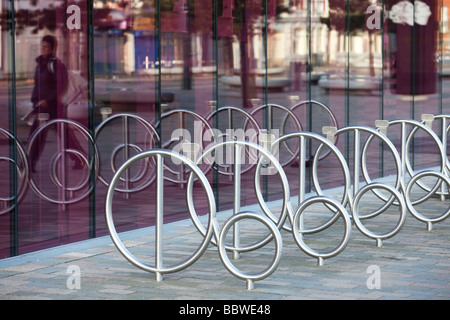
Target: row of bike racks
[(191, 155), (353, 193)]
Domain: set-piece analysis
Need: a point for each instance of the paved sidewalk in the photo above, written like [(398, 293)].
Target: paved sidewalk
[(414, 264)]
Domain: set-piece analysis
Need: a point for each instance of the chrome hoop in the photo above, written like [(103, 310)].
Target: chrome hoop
[(250, 277), (427, 120), (302, 168), (355, 212), (358, 154), (410, 204), (265, 156), (159, 269), (298, 234), (406, 165)]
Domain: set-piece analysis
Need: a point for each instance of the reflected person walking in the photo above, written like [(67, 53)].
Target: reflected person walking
[(50, 84)]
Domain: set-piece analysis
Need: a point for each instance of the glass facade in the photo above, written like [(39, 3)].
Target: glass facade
[(84, 85)]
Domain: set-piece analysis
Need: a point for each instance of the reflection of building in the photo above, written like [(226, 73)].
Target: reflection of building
[(120, 49)]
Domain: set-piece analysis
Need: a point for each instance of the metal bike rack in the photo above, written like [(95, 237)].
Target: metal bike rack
[(445, 130), (250, 277), (265, 159), (154, 168), (428, 220), (296, 218), (360, 164), (159, 268), (428, 119), (407, 169), (212, 229), (405, 143), (152, 136), (178, 175), (265, 156), (66, 193), (22, 170)]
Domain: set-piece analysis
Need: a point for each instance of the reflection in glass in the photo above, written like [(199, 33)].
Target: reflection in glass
[(162, 73)]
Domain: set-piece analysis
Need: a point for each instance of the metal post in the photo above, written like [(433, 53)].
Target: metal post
[(444, 144), (237, 197), (159, 214), (126, 141), (403, 151), (302, 178), (61, 151), (356, 160)]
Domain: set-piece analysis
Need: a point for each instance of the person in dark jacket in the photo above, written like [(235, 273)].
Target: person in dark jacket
[(50, 84)]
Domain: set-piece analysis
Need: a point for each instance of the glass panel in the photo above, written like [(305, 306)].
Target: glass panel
[(445, 60), (287, 82), (411, 76), (188, 72), (365, 79), (444, 47), (328, 60), (241, 48), (7, 234), (126, 77), (425, 79), (51, 71), (160, 73)]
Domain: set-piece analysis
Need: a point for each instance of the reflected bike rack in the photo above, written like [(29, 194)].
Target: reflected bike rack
[(128, 182), (66, 193), (22, 171), (317, 105), (180, 136), (297, 218), (230, 134), (270, 126), (212, 229)]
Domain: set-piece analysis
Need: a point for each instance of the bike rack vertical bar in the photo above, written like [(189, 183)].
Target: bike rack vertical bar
[(182, 122), (444, 144), (126, 141), (61, 146), (159, 214), (302, 177), (403, 151), (237, 197), (61, 150), (12, 104), (357, 162)]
